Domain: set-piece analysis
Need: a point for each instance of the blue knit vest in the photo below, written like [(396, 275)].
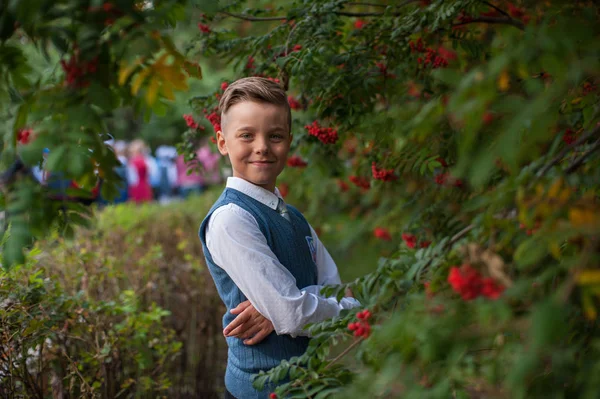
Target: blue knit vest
[(290, 241)]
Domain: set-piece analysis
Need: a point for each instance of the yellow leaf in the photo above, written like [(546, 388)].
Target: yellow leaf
[(564, 196), (588, 277), (555, 188), (555, 250), (161, 60), (588, 306), (173, 76), (139, 79), (193, 69), (583, 217), (503, 81), (167, 91), (152, 91), (125, 71), (576, 101)]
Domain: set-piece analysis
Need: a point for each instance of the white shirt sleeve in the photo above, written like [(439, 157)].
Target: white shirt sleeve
[(328, 273), (237, 245)]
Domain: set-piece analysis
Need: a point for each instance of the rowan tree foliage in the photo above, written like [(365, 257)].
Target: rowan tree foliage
[(66, 66), (465, 133)]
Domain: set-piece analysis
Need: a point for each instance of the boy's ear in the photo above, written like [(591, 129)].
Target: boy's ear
[(221, 144)]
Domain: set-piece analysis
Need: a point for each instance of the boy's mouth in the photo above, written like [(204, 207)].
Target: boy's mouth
[(261, 162)]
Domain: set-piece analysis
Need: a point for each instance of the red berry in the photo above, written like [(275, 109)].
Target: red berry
[(272, 395)]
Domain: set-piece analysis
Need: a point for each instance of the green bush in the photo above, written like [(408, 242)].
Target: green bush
[(124, 310)]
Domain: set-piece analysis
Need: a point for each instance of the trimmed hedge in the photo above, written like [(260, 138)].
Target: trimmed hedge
[(126, 309)]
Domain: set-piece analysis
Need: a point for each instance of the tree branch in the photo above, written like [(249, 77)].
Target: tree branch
[(251, 18), (565, 150), (491, 20), (344, 353), (496, 8), (579, 161)]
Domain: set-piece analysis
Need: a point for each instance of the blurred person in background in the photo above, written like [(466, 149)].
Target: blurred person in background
[(210, 164), (120, 149), (153, 172), (167, 169), (138, 173), (204, 171)]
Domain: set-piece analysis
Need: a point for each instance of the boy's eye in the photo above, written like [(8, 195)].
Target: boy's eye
[(277, 136), (245, 135)]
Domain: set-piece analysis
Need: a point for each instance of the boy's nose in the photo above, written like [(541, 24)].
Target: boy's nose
[(262, 146)]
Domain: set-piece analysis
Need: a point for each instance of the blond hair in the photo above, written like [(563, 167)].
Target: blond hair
[(256, 89), (137, 147)]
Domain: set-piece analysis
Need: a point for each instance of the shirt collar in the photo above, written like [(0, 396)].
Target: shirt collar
[(258, 193)]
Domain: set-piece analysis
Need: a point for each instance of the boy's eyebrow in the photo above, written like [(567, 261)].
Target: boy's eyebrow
[(244, 128)]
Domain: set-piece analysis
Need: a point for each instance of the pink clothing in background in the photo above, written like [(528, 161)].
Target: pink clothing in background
[(209, 162), (140, 190)]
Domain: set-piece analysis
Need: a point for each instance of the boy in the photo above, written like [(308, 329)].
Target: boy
[(267, 262)]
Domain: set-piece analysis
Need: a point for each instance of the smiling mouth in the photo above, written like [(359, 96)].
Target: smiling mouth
[(262, 162)]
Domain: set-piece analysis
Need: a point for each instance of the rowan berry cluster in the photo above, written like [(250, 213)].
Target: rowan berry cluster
[(250, 62), (518, 12), (411, 241), (434, 58), (204, 28), (361, 328), (588, 87), (326, 135), (382, 174), (76, 70), (343, 185), (445, 179), (382, 234), (111, 11), (570, 136), (189, 120), (296, 162), (214, 118), (294, 104), (361, 182), (530, 231), (24, 136), (359, 24), (384, 70), (284, 189), (469, 283)]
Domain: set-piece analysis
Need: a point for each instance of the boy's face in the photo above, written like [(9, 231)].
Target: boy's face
[(256, 138)]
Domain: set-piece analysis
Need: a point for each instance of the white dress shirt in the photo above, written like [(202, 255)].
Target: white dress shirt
[(237, 245)]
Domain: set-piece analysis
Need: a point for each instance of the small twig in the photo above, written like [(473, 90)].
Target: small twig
[(491, 20), (459, 235), (496, 8), (357, 3), (344, 353), (251, 18), (579, 161), (306, 392), (77, 370), (565, 150), (452, 241), (362, 14)]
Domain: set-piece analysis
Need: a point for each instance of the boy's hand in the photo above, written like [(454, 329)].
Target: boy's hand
[(248, 323)]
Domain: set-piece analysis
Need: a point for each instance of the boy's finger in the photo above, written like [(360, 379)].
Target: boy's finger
[(251, 331), (239, 320), (241, 307), (262, 334)]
